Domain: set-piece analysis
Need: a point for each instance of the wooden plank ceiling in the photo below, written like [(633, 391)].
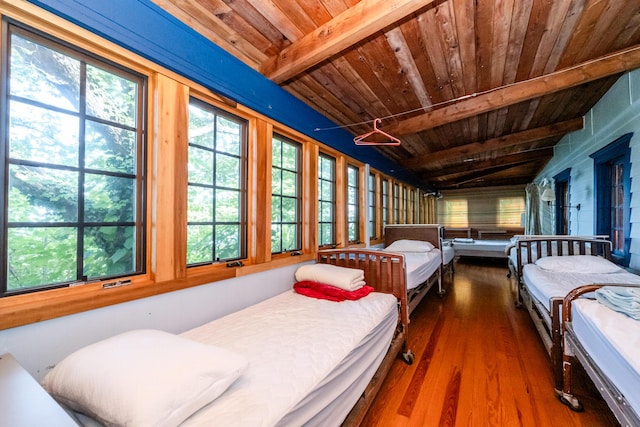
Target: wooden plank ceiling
[(478, 92)]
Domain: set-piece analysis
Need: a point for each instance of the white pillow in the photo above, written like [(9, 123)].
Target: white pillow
[(143, 378), (407, 245), (588, 264)]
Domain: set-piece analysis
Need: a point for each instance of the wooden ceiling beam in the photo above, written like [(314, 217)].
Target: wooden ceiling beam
[(342, 32), (618, 62), (470, 167), (510, 140)]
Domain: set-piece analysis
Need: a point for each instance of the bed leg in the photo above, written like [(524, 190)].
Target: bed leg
[(408, 357), (565, 395)]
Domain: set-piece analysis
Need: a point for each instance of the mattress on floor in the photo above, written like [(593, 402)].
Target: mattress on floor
[(419, 266), (309, 359), (612, 340), (545, 284)]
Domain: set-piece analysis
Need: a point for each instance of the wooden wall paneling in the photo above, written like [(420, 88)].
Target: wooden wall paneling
[(363, 207), (171, 144), (310, 197), (340, 214), (261, 193)]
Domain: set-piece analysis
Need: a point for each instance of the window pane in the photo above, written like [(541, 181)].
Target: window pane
[(111, 97), (109, 198), (276, 238), (289, 237), (114, 154), (201, 128), (276, 211), (289, 210), (39, 194), (200, 204), (228, 136), (227, 241), (42, 74), (37, 256), (227, 171), (42, 135), (227, 206), (109, 251), (199, 244), (200, 166)]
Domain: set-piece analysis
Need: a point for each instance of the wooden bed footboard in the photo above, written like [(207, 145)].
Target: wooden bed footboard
[(384, 271)]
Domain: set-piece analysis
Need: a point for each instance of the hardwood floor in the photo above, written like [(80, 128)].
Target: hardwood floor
[(478, 362)]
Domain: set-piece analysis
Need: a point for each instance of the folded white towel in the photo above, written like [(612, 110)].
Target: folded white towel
[(349, 279), (621, 299)]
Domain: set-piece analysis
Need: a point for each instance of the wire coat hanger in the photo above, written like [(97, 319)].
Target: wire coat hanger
[(362, 139)]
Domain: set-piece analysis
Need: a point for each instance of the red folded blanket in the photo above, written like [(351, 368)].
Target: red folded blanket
[(332, 293)]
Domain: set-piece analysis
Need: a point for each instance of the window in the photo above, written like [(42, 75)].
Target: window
[(385, 202), (326, 200), (286, 219), (454, 213), (613, 196), (353, 204), (405, 205), (73, 145), (216, 219), (561, 186), (396, 204), (372, 207), (510, 210)]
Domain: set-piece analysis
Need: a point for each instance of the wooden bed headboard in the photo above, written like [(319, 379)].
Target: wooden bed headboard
[(425, 232)]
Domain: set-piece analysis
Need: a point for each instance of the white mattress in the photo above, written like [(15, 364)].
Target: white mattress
[(612, 340), (494, 246), (296, 347), (544, 284), (419, 266), (448, 253)]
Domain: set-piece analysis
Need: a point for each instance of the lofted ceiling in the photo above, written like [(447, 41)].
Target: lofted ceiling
[(477, 91)]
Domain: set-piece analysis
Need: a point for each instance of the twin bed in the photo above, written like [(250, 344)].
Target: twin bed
[(289, 360), (549, 269), (606, 342)]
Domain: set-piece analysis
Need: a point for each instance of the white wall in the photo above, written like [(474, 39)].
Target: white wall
[(40, 345), (616, 114)]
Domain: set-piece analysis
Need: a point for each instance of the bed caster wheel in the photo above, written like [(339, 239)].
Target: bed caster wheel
[(442, 293), (408, 357), (570, 401)]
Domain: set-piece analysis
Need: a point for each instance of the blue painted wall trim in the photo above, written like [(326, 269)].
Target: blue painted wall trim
[(145, 29)]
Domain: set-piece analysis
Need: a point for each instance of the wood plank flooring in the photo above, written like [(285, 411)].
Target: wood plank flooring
[(478, 362)]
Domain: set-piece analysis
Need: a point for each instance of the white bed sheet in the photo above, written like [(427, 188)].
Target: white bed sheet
[(496, 247), (612, 340), (419, 266), (295, 346), (544, 284), (448, 253)]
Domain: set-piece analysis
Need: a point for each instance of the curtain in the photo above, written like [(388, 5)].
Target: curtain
[(533, 220), (429, 207)]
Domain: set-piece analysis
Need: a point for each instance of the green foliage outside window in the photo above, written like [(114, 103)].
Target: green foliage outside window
[(73, 202), (215, 215)]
